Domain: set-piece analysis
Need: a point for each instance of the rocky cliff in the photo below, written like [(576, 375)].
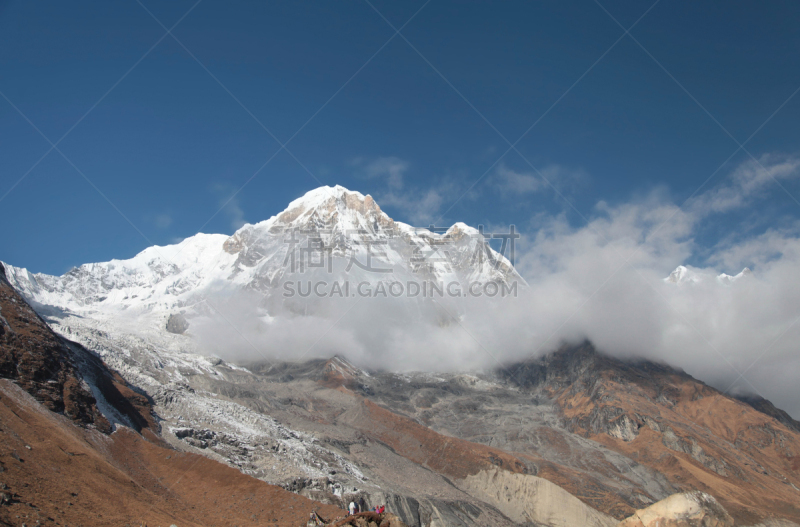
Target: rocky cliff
[(41, 363)]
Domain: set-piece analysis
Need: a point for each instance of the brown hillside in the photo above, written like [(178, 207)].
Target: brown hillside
[(663, 418), (60, 463), (75, 476)]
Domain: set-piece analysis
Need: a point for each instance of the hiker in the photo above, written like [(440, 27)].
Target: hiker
[(352, 508)]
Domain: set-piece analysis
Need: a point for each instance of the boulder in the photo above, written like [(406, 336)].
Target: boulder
[(177, 324), (688, 509)]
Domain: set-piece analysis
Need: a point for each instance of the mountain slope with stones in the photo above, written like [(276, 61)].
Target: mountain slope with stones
[(571, 438)]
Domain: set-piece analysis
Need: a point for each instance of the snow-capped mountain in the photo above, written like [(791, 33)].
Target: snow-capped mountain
[(441, 447), (727, 279), (329, 233), (683, 275), (141, 317)]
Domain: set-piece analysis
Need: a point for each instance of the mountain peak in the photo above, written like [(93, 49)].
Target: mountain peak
[(727, 279), (327, 206), (683, 274), (325, 194), (327, 223)]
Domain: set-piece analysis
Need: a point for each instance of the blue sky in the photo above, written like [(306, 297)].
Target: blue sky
[(155, 144)]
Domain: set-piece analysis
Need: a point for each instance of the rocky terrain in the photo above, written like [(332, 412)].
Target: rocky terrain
[(81, 447), (569, 428), (41, 363), (618, 436), (691, 433), (115, 353), (539, 443)]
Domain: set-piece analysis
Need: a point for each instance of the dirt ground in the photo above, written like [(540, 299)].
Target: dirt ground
[(53, 472)]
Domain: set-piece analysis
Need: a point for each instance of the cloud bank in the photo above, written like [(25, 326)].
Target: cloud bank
[(602, 281)]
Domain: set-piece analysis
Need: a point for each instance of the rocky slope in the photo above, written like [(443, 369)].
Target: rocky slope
[(539, 443), (691, 433), (617, 435), (55, 473), (40, 362), (573, 437), (80, 446)]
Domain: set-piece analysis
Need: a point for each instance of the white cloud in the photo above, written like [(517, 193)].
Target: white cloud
[(563, 179), (420, 207), (511, 181), (747, 182), (602, 281), (163, 221), (234, 212), (160, 221), (230, 205), (390, 169)]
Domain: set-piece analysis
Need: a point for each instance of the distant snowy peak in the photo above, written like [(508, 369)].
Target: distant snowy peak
[(334, 207), (727, 279), (683, 275), (146, 280)]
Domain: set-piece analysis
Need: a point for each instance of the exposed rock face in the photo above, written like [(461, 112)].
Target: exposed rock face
[(766, 407), (64, 376), (689, 509), (422, 511), (407, 432), (746, 454), (39, 361), (431, 479), (177, 324), (57, 473), (693, 448)]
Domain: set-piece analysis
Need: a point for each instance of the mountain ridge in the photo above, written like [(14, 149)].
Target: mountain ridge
[(616, 435)]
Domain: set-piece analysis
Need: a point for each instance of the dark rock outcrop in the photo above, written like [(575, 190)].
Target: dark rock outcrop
[(177, 324), (765, 406), (39, 362), (64, 376)]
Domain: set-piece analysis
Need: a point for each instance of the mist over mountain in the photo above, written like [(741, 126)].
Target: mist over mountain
[(400, 264), (614, 281)]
